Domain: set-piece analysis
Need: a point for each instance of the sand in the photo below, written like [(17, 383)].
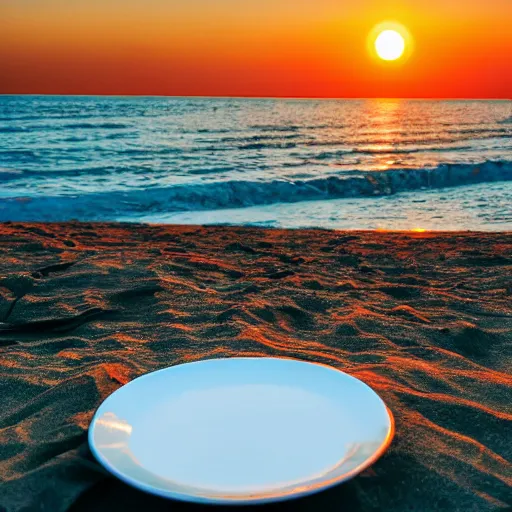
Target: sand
[(425, 319)]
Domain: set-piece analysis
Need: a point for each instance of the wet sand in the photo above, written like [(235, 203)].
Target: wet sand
[(425, 319)]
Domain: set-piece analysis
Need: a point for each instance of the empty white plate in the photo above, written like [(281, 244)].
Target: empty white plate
[(240, 430)]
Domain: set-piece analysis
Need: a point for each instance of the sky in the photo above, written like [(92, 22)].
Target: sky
[(290, 48)]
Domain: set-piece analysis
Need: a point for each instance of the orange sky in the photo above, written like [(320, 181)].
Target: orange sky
[(304, 48)]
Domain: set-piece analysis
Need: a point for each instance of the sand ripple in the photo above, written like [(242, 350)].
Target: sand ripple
[(426, 320)]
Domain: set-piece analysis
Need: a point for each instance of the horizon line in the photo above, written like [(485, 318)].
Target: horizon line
[(249, 97)]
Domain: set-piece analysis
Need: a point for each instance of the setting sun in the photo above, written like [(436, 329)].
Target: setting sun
[(390, 42), (389, 45)]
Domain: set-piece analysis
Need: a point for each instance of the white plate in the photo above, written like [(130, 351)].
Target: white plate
[(240, 430)]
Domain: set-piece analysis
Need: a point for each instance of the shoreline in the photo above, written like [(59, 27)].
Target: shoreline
[(424, 318), (453, 195)]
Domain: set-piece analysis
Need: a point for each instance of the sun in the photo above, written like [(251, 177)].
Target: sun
[(389, 45), (390, 42)]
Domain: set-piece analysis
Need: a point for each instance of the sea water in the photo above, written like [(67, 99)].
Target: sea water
[(351, 164)]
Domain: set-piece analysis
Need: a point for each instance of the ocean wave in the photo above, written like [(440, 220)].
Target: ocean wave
[(9, 174), (266, 145), (16, 174), (210, 170), (28, 128), (18, 155), (152, 152), (421, 144), (257, 138), (240, 194), (277, 128), (12, 129), (94, 126), (424, 142), (119, 135)]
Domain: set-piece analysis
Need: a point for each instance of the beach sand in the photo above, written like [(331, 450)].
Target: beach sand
[(424, 319)]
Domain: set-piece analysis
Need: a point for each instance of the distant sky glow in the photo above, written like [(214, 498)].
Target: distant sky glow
[(298, 48)]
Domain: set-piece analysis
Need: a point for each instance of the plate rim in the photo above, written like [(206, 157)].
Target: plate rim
[(246, 499)]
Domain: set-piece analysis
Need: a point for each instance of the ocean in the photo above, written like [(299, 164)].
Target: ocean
[(348, 164)]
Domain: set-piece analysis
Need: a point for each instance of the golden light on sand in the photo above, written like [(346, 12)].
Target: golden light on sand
[(390, 42), (389, 45)]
